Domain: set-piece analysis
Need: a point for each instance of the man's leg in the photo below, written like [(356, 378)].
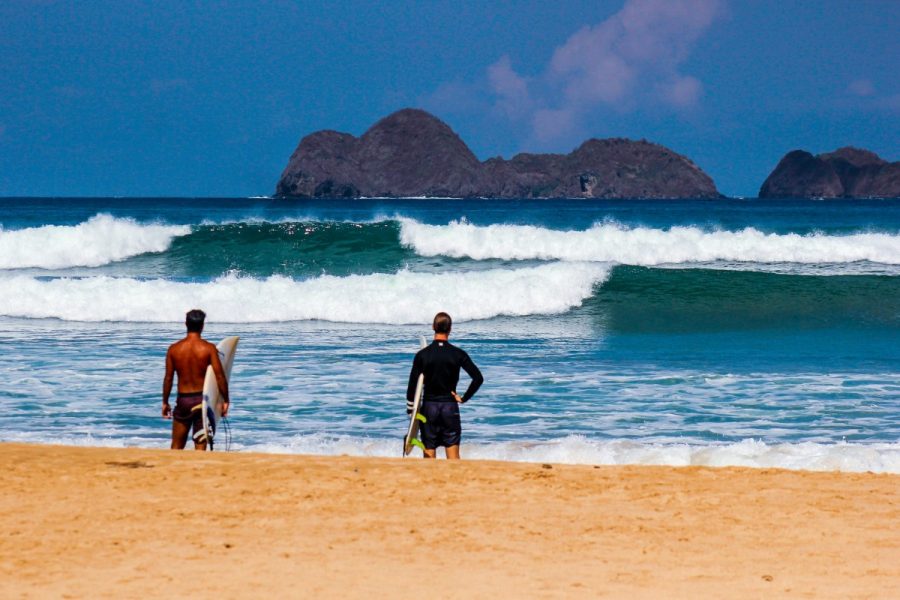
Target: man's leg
[(430, 431), (180, 433), (198, 426), (452, 431)]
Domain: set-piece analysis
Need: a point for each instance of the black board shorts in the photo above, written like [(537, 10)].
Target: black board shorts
[(442, 426)]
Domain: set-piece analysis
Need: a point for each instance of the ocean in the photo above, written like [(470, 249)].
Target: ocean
[(724, 332)]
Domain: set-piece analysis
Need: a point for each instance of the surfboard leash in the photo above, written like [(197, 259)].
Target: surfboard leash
[(227, 429)]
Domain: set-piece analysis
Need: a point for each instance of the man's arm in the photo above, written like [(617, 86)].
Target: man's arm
[(167, 385), (413, 380), (477, 378), (221, 381)]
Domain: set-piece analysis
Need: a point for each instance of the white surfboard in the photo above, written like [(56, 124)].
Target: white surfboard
[(412, 433), (212, 400)]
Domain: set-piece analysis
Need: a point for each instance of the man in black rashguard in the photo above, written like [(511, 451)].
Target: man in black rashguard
[(441, 362)]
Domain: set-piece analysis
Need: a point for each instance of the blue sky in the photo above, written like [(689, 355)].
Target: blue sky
[(210, 98)]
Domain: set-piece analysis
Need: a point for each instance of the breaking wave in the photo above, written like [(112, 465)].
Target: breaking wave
[(403, 297), (256, 248), (643, 246), (100, 240)]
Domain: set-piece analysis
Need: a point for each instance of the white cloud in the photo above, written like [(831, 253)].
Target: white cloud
[(633, 58), (549, 124), (455, 96), (863, 94), (646, 38), (682, 92), (511, 90), (861, 87)]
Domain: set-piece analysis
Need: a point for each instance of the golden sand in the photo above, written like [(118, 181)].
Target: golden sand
[(132, 523)]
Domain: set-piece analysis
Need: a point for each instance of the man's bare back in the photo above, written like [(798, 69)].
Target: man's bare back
[(189, 358)]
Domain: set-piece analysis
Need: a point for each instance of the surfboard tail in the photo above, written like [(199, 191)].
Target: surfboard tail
[(211, 430), (408, 445), (411, 440)]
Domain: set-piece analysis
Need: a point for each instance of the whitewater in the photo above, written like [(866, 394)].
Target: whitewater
[(104, 239), (714, 333), (100, 240), (399, 298), (612, 242)]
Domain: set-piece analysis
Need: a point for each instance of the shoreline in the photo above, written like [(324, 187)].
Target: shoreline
[(88, 521), (574, 450)]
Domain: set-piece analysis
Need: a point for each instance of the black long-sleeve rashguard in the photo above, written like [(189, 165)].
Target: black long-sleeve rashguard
[(441, 363)]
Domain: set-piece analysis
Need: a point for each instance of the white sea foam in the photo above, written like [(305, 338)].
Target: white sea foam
[(298, 219), (398, 298), (609, 242), (576, 450), (100, 240), (808, 456)]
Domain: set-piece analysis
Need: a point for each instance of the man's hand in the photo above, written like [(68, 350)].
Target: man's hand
[(166, 411), (456, 397), (225, 406)]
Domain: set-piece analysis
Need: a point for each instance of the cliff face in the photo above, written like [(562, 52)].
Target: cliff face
[(412, 153), (844, 173)]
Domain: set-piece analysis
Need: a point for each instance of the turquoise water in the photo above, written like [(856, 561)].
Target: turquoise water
[(661, 332)]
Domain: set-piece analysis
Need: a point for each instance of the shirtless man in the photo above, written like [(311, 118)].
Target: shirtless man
[(189, 358)]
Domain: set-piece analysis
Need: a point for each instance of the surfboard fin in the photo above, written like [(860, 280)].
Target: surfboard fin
[(421, 417), (417, 443)]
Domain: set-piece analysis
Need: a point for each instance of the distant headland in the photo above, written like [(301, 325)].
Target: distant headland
[(412, 153), (845, 173)]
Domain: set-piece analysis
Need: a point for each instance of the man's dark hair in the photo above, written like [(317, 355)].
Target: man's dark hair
[(442, 323), (194, 320)]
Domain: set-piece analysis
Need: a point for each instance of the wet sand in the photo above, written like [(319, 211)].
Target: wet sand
[(130, 523)]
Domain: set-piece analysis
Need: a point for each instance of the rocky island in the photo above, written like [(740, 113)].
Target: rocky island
[(412, 153), (845, 173)]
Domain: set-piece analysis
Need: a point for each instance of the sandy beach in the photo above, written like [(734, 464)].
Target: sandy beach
[(99, 522)]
